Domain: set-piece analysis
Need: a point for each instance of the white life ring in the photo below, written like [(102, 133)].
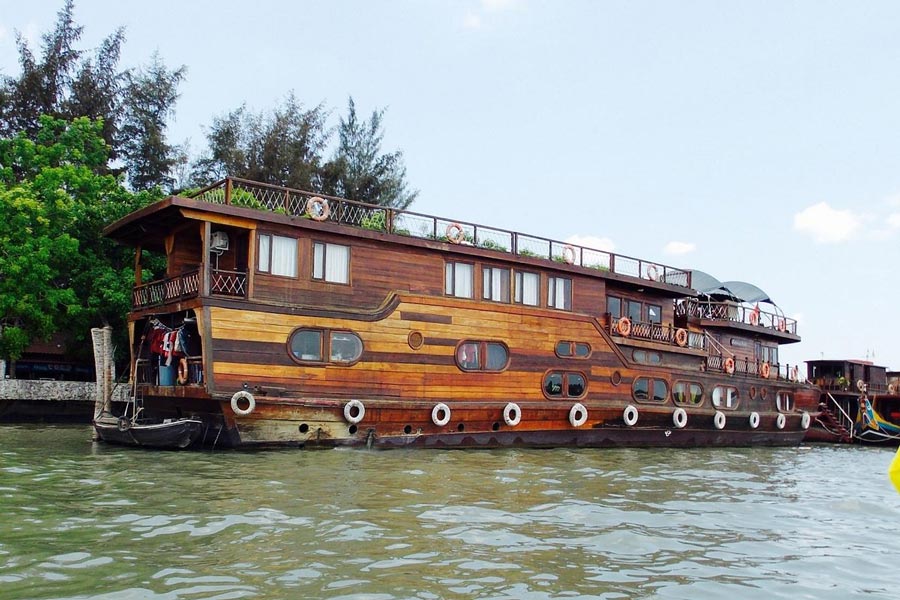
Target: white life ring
[(780, 421), (318, 208), (354, 411), (243, 395), (805, 420), (891, 389), (512, 414), (679, 418), (719, 420), (861, 385), (578, 415), (754, 420), (630, 415), (440, 414), (653, 273), (568, 254)]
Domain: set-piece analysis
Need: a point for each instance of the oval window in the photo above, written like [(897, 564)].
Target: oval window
[(306, 344), (345, 347)]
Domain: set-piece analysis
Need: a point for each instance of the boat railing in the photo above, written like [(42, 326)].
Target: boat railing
[(657, 332), (187, 285), (146, 371), (735, 313), (754, 368), (833, 385), (162, 291), (297, 203)]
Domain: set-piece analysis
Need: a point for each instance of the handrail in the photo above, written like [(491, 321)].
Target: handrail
[(735, 313), (187, 285), (292, 202)]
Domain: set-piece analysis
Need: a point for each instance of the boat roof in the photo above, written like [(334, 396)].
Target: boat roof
[(741, 291)]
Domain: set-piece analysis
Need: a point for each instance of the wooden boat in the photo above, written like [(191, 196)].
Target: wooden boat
[(287, 318), (166, 433), (860, 402)]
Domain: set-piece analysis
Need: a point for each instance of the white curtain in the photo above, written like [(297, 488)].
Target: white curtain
[(265, 250), (531, 284), (337, 263), (284, 256)]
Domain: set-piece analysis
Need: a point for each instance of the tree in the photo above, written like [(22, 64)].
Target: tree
[(282, 147), (57, 271), (359, 170), (150, 96)]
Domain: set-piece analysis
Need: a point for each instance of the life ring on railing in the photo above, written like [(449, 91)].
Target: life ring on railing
[(719, 420), (805, 420), (578, 415), (780, 421), (624, 326), (182, 378), (653, 273), (630, 415), (795, 373), (568, 254), (679, 418), (455, 233), (512, 414), (754, 318), (236, 407), (728, 365), (754, 420), (861, 385), (782, 326), (354, 411), (681, 337), (318, 208), (765, 370), (891, 389), (440, 414)]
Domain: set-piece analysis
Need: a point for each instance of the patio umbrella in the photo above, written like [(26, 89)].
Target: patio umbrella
[(894, 470)]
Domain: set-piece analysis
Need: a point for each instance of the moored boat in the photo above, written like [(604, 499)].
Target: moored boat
[(287, 318), (860, 402), (166, 433)]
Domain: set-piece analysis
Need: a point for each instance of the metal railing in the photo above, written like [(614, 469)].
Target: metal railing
[(297, 203), (735, 313), (657, 332)]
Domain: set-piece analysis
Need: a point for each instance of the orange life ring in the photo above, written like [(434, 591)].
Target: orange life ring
[(624, 326), (681, 337), (455, 233), (754, 317), (782, 326), (729, 365), (765, 370), (568, 254), (182, 371), (795, 374), (318, 208)]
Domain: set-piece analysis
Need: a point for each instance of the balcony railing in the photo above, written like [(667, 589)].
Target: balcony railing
[(187, 285), (735, 313), (754, 368), (657, 332), (239, 192)]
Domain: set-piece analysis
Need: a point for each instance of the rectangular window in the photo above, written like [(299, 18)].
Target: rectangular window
[(496, 284), (654, 313), (559, 293), (331, 262), (528, 288), (634, 310), (614, 307), (277, 255), (459, 280)]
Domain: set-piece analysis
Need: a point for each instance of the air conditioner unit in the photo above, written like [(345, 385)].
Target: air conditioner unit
[(218, 242)]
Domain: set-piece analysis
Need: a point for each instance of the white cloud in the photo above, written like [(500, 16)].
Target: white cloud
[(472, 21), (590, 241), (679, 248), (893, 221), (827, 225), (498, 5)]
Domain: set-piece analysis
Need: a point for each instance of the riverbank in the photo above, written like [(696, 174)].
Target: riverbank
[(37, 401)]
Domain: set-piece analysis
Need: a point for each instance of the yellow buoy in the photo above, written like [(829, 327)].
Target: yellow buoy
[(894, 470)]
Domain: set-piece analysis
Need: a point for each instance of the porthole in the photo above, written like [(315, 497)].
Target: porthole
[(310, 345), (615, 378), (687, 393), (415, 340)]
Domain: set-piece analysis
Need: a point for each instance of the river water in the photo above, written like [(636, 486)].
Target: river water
[(84, 520)]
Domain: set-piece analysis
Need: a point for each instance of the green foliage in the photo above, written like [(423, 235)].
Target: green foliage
[(492, 245), (360, 171), (375, 221), (57, 271)]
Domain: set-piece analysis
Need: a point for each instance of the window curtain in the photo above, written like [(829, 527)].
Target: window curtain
[(337, 263), (284, 256)]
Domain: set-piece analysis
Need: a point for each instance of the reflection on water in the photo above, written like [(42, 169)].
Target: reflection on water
[(81, 520)]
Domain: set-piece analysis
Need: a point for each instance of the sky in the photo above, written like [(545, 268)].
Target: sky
[(754, 141)]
